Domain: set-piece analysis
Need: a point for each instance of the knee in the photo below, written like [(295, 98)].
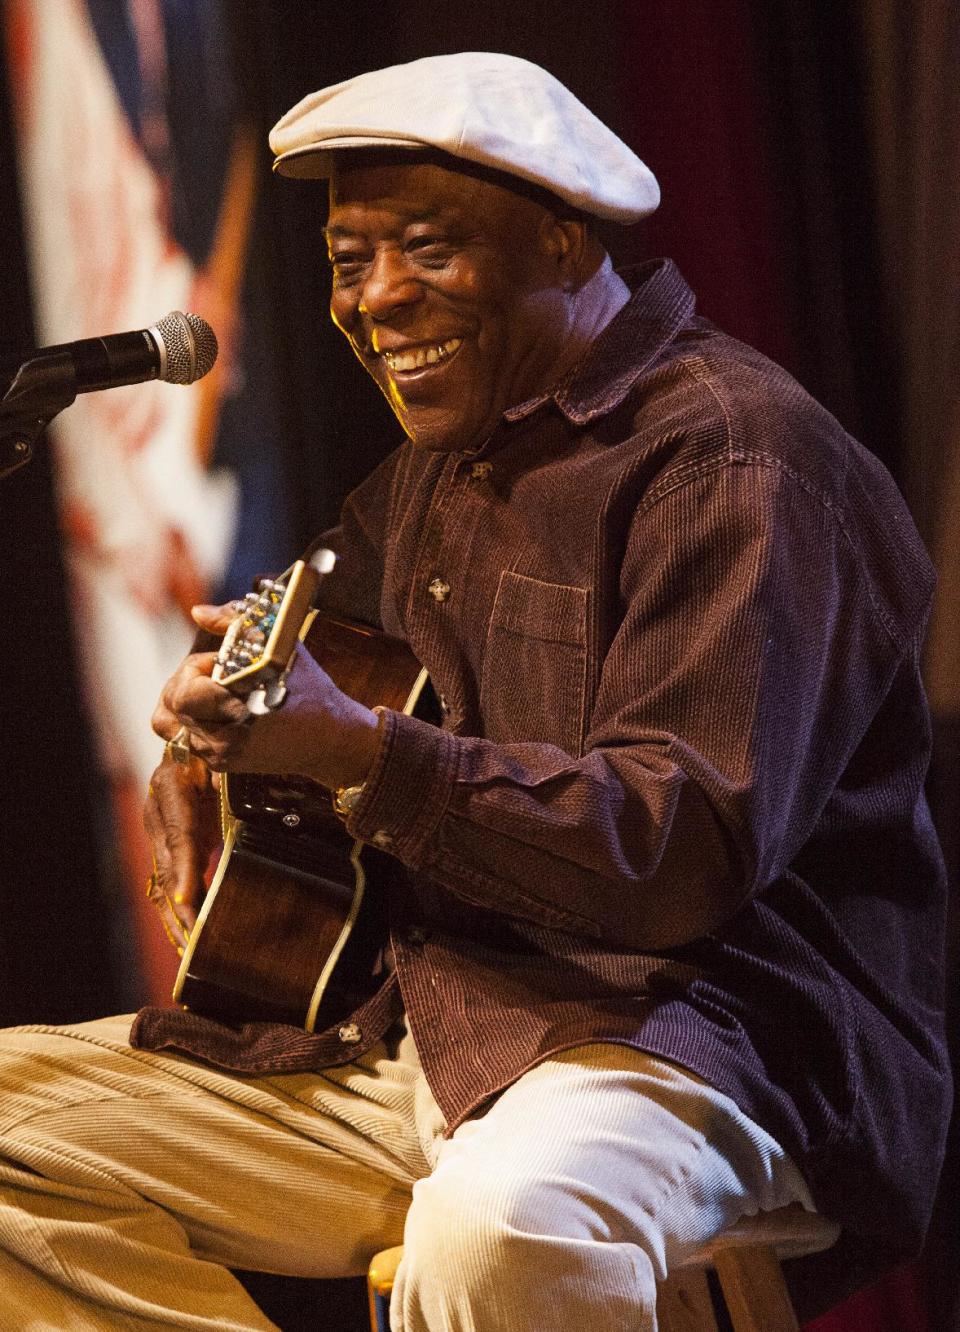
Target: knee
[(464, 1229), (504, 1252)]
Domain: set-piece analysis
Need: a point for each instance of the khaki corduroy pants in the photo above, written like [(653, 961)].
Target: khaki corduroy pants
[(131, 1181)]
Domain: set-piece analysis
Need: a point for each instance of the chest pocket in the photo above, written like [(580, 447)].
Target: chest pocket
[(535, 664)]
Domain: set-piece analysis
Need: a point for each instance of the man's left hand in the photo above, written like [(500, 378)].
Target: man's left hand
[(318, 732)]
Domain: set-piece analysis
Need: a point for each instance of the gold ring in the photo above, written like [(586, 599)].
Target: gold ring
[(178, 749)]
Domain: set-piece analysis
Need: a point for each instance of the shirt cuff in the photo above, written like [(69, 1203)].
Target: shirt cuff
[(408, 787)]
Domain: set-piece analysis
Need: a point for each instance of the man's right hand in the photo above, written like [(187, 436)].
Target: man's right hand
[(181, 817)]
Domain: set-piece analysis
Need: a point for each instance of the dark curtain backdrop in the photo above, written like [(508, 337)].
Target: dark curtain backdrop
[(756, 118), (60, 954)]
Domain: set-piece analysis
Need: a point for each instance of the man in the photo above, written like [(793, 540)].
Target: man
[(666, 906)]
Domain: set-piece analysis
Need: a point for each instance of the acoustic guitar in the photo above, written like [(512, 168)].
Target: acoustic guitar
[(281, 934)]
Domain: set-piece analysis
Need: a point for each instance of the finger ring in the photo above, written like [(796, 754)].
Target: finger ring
[(178, 749)]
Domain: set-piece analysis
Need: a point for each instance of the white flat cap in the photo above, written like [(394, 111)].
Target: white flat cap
[(496, 110)]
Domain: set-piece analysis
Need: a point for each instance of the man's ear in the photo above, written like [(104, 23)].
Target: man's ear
[(564, 242)]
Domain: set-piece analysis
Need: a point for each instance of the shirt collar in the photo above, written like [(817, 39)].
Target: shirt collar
[(659, 307)]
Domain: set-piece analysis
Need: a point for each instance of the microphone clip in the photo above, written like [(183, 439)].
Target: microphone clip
[(41, 388)]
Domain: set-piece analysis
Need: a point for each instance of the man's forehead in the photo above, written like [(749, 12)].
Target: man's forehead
[(422, 187), (343, 221)]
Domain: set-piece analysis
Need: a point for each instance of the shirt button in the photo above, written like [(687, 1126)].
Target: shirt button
[(481, 470), (438, 589), (350, 1033), (382, 839)]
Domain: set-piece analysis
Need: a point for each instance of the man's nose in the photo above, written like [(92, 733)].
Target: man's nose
[(389, 285)]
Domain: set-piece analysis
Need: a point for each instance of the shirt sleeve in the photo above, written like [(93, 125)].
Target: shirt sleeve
[(749, 661)]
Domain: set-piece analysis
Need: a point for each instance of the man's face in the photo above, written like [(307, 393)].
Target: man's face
[(447, 287)]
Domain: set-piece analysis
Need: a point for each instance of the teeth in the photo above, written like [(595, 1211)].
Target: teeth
[(421, 356)]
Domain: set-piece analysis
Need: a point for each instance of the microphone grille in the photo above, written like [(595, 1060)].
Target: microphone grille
[(189, 347)]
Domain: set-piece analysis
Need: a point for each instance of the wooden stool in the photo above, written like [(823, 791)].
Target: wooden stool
[(746, 1258)]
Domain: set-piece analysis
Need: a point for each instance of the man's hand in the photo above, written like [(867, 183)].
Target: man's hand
[(181, 819), (319, 732)]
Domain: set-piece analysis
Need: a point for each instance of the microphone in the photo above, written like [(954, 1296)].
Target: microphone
[(179, 348)]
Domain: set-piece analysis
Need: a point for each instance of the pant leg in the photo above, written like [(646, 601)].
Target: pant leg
[(130, 1180), (565, 1203)]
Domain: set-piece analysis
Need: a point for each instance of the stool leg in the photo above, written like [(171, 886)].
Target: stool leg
[(379, 1304), (380, 1278), (683, 1302), (754, 1289)]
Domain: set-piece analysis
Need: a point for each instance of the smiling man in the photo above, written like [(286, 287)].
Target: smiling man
[(460, 296), (661, 922)]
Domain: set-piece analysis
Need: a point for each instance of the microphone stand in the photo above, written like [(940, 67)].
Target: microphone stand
[(41, 388)]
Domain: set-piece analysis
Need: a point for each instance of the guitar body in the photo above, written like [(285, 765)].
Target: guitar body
[(277, 938)]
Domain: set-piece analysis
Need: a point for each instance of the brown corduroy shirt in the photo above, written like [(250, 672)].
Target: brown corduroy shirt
[(674, 614)]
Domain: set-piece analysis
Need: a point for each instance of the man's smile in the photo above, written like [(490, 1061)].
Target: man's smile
[(408, 360)]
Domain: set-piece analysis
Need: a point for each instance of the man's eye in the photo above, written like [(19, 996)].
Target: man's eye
[(346, 266), (430, 249)]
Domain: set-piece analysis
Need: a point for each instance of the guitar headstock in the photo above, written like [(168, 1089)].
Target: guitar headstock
[(258, 646)]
